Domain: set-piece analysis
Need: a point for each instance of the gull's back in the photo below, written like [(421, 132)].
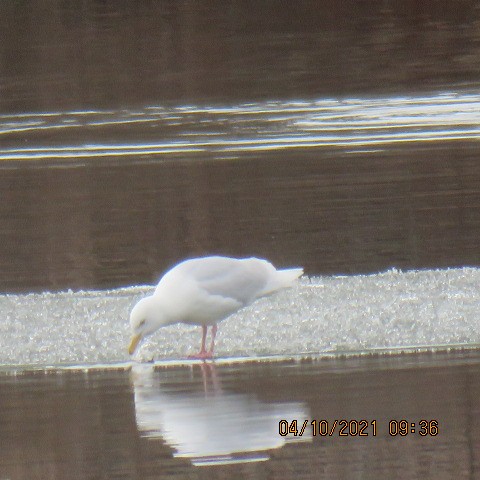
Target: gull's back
[(242, 280), (209, 289)]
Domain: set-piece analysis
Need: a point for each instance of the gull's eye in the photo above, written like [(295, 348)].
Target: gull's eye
[(142, 323)]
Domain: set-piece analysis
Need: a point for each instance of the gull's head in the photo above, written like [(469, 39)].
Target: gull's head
[(143, 321)]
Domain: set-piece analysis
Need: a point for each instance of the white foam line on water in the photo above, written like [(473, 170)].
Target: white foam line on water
[(233, 145), (433, 101), (276, 125)]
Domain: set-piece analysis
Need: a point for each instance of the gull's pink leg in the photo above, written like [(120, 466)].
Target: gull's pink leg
[(212, 344), (204, 338), (202, 354)]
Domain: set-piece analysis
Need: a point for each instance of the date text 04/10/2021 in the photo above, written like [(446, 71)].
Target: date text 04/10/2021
[(357, 428)]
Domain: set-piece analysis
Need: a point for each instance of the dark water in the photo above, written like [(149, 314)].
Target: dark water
[(223, 421), (65, 56), (107, 181), (103, 225)]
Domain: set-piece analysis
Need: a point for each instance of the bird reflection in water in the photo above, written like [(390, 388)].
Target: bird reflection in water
[(203, 422)]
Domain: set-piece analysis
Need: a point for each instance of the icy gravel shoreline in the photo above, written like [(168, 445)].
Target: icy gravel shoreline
[(358, 313)]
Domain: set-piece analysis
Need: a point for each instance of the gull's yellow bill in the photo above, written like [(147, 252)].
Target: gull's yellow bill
[(134, 341)]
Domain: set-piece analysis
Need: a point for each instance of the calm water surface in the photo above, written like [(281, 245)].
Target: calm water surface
[(111, 55), (342, 137), (222, 421), (337, 187)]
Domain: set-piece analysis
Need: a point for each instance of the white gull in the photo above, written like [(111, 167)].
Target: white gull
[(204, 291)]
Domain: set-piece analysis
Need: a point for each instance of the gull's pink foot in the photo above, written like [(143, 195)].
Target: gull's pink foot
[(201, 356)]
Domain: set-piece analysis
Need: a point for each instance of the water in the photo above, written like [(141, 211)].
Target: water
[(100, 56), (108, 199), (229, 131), (223, 420), (341, 137)]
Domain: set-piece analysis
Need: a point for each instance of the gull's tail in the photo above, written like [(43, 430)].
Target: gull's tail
[(288, 276), (280, 279)]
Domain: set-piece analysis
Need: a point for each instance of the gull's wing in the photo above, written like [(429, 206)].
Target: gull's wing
[(240, 280), (207, 290)]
